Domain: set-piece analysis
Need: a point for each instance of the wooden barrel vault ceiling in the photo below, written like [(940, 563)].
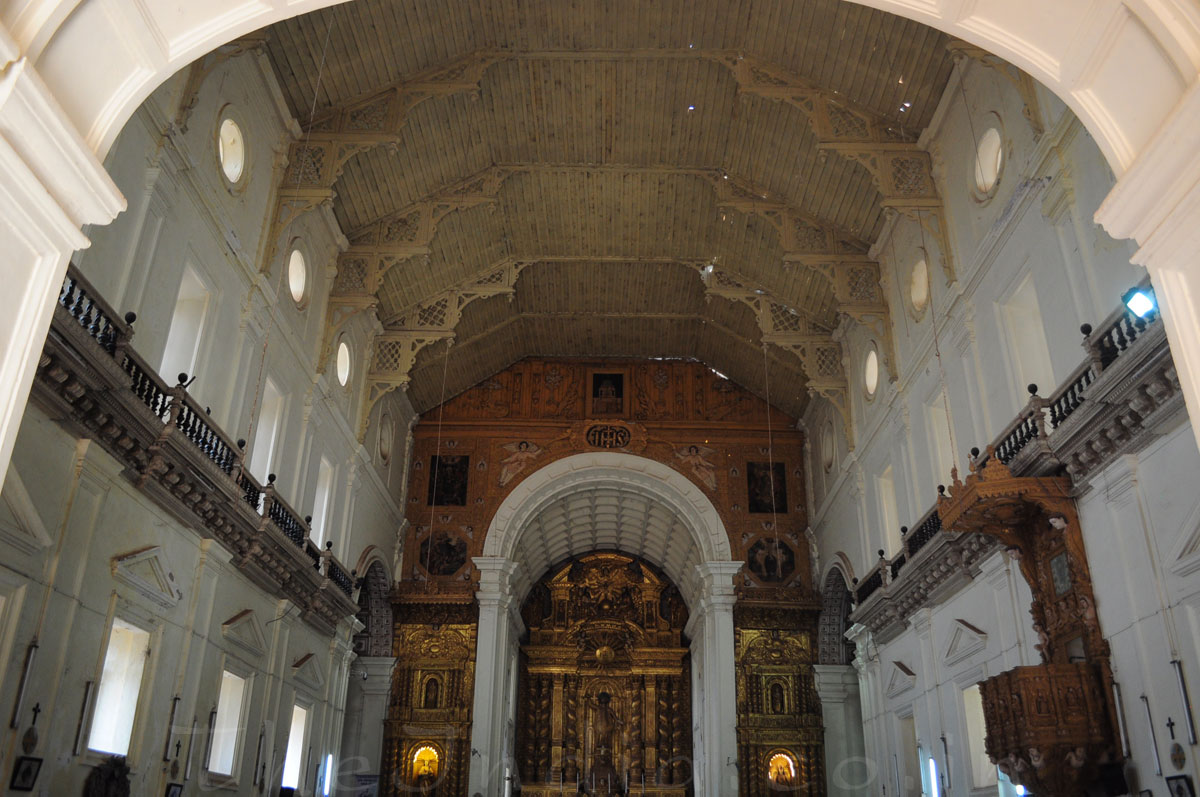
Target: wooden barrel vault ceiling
[(581, 168)]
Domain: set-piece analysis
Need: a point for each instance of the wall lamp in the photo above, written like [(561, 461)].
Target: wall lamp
[(1141, 301)]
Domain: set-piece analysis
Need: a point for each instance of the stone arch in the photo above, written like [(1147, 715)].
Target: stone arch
[(623, 472), (833, 647), (67, 38), (375, 612)]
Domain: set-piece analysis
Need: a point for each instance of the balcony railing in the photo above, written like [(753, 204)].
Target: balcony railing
[(1099, 411), (89, 366)]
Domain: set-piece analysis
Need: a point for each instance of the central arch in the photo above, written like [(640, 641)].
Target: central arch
[(689, 517), (606, 500)]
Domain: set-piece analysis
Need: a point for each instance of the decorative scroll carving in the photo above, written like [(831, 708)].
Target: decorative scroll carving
[(396, 349), (795, 331), (1050, 727), (1025, 85), (597, 626)]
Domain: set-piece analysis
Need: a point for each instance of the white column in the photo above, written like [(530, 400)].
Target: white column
[(845, 747), (499, 629), (1157, 203), (710, 628), (870, 697), (51, 184), (366, 710)]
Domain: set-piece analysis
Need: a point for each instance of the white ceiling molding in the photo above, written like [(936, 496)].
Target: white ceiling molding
[(244, 631), (307, 672), (21, 525), (901, 680), (148, 573), (965, 641)]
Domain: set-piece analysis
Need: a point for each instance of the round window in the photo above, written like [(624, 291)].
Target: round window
[(387, 431), (871, 372), (827, 446), (989, 157), (918, 285), (231, 150), (343, 363), (297, 275)]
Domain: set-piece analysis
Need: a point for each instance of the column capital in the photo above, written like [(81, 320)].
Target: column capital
[(496, 575), (835, 682), (716, 578)]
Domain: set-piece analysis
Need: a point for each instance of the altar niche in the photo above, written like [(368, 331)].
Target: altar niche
[(605, 682)]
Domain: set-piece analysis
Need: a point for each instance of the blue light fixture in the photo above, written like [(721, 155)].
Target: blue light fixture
[(1140, 301)]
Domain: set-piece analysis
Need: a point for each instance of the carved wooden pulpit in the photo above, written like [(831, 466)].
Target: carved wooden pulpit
[(1050, 727)]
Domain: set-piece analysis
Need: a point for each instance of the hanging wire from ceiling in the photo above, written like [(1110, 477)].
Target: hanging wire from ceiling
[(436, 467), (937, 353), (262, 362), (771, 463)]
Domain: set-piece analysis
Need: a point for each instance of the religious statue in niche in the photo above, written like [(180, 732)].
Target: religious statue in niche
[(771, 560), (605, 729), (445, 556), (696, 458), (766, 486), (608, 393), (448, 480), (519, 456), (432, 688)]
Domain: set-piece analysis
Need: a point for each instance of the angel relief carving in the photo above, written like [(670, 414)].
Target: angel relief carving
[(520, 454), (696, 458)]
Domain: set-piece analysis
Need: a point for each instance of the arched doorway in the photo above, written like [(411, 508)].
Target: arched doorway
[(634, 506), (370, 676), (838, 688)]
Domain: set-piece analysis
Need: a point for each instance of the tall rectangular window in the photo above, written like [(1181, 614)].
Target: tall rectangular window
[(885, 489), (187, 324), (321, 502), (120, 686), (910, 769), (266, 435), (983, 771), (293, 758), (940, 450), (227, 726), (1022, 319)]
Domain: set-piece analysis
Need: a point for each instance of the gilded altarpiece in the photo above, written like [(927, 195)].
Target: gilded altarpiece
[(427, 733), (746, 457), (605, 681), (781, 747)]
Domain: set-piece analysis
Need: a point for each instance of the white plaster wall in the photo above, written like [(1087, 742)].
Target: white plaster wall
[(59, 588), (1141, 520)]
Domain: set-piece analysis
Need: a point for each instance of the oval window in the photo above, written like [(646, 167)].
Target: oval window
[(231, 150), (989, 157), (343, 363), (918, 285), (297, 275), (871, 372), (827, 446), (387, 431)]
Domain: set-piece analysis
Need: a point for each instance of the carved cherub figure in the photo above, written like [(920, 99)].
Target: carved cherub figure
[(519, 456), (696, 458)]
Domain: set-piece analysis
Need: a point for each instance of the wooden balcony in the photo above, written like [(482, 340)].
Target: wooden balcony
[(91, 381)]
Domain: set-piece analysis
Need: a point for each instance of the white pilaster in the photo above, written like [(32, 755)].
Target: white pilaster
[(714, 703), (845, 748), (499, 629), (366, 709)]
